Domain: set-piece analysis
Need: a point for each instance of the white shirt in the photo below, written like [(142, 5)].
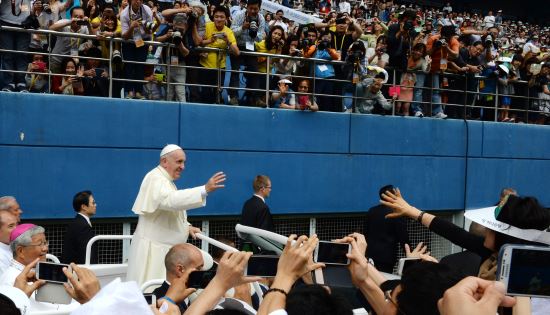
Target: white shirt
[(344, 6), (5, 257), (489, 21), (87, 218)]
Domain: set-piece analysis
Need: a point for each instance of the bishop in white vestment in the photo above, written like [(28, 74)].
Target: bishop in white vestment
[(162, 215)]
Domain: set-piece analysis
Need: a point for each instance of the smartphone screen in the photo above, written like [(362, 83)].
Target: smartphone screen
[(200, 279), (332, 253), (262, 266), (529, 272), (51, 272)]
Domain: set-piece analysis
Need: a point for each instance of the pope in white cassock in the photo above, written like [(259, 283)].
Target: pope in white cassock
[(162, 215)]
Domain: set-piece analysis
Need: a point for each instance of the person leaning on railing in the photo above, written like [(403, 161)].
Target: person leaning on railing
[(218, 36), (272, 44), (14, 13), (37, 80), (324, 71), (71, 84), (69, 46), (135, 20), (540, 83)]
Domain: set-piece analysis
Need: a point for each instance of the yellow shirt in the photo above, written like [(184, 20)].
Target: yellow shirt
[(262, 61), (210, 61)]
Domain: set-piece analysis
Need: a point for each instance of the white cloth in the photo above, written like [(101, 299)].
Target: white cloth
[(5, 257), (162, 223), (116, 298)]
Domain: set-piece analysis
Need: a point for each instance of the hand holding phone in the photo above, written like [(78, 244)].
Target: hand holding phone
[(525, 270), (200, 279), (262, 266), (51, 272)]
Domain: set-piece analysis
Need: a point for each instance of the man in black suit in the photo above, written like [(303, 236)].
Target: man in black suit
[(80, 231), (180, 260), (384, 235), (255, 211)]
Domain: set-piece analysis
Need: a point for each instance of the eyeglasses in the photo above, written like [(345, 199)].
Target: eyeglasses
[(41, 244)]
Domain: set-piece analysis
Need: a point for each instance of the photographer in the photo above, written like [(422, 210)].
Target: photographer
[(69, 46), (400, 40), (16, 14), (288, 67), (71, 82), (272, 44), (469, 64), (324, 72), (356, 69), (378, 56), (441, 47), (135, 21), (182, 32), (248, 27)]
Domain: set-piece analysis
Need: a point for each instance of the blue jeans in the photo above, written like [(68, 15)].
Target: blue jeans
[(13, 61), (436, 95), (417, 105)]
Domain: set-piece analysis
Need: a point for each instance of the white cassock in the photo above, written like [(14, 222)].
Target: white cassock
[(162, 223)]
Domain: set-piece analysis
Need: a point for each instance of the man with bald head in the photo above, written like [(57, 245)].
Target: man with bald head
[(162, 214), (179, 262), (9, 203), (8, 222)]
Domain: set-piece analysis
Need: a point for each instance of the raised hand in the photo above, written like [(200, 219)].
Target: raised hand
[(215, 182)]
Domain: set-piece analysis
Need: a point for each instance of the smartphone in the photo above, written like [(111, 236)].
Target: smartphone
[(525, 270), (341, 21), (406, 263), (262, 266), (98, 72), (150, 298), (200, 279), (333, 276), (51, 272), (332, 253)]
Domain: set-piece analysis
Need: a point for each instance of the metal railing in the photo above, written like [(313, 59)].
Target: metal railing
[(470, 98)]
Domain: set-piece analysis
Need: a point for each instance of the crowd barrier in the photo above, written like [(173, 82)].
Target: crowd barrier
[(467, 96)]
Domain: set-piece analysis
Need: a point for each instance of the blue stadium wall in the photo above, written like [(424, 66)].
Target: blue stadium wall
[(53, 146)]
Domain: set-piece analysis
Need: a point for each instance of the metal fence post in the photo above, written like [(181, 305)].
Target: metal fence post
[(393, 84), (496, 101), (267, 82), (110, 67), (218, 84)]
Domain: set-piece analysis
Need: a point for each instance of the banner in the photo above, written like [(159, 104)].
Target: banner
[(291, 14)]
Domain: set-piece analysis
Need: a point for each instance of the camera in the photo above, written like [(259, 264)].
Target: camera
[(296, 53), (149, 26), (323, 45), (341, 21), (46, 7), (253, 28), (176, 38), (440, 42), (117, 57), (305, 43), (81, 22)]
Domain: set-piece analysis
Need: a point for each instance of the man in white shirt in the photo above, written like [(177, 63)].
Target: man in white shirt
[(162, 214), (8, 222), (344, 6), (489, 20), (279, 21)]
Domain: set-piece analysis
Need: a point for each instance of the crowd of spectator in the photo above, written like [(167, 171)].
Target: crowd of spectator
[(428, 61), (428, 288)]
